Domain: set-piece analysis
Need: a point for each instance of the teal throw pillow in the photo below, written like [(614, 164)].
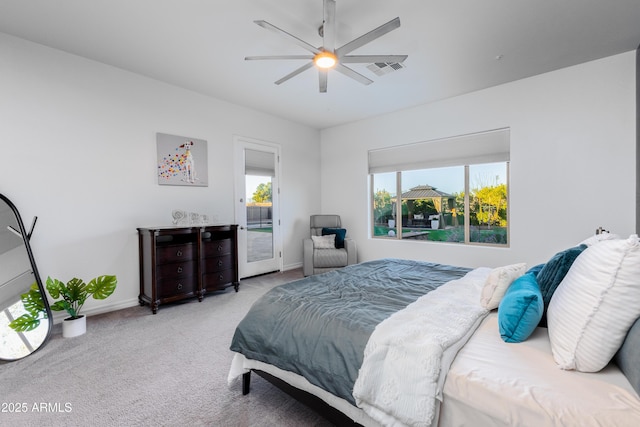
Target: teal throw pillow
[(340, 233), (550, 276), (520, 310)]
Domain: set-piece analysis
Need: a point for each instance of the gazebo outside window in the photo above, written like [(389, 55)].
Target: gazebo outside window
[(425, 207)]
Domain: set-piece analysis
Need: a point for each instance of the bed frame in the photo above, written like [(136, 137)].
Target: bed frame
[(320, 406)]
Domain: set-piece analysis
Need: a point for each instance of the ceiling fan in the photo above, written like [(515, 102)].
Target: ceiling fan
[(327, 57)]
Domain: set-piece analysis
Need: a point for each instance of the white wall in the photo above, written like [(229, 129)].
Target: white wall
[(79, 151), (78, 144), (572, 161)]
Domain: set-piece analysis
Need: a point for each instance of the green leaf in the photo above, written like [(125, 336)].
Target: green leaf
[(25, 323), (103, 286), (76, 290), (33, 302), (59, 305), (53, 287)]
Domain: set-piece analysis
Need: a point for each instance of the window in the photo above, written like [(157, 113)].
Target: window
[(452, 190), (384, 212)]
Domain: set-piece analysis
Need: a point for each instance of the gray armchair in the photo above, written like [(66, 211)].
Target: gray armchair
[(322, 260)]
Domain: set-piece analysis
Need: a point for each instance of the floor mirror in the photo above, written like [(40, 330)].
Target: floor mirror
[(25, 316)]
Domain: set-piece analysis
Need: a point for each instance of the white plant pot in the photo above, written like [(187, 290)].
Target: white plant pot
[(74, 327), (435, 223), (392, 223)]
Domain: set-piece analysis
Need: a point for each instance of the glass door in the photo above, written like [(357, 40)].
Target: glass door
[(257, 208)]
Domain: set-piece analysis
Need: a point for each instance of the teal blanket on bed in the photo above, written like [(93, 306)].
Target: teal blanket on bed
[(319, 326)]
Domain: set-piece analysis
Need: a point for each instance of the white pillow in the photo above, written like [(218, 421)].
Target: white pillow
[(594, 306), (597, 238), (324, 242), (498, 282)]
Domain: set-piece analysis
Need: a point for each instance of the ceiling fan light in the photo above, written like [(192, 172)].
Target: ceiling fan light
[(325, 60)]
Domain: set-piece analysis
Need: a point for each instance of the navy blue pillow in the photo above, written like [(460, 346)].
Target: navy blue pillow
[(340, 235), (552, 274), (535, 269), (520, 309)]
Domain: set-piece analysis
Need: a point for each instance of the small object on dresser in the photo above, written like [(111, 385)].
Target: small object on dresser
[(179, 217)]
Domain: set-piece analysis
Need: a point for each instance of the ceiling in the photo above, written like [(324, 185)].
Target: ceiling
[(454, 47)]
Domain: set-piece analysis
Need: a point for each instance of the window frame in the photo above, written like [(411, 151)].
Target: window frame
[(496, 150)]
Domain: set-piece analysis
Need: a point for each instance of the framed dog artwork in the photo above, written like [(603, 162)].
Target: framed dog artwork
[(182, 161)]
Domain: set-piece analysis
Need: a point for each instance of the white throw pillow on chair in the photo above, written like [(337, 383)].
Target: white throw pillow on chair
[(324, 242)]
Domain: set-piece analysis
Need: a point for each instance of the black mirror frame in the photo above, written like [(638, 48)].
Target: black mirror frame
[(26, 236)]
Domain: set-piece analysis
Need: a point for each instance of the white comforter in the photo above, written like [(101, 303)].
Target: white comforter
[(408, 355)]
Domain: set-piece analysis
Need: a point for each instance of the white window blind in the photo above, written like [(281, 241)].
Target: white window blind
[(259, 163), (484, 147)]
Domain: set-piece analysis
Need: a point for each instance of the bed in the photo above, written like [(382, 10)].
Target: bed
[(401, 342)]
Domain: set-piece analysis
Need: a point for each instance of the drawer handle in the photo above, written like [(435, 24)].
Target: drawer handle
[(179, 286), (179, 253), (220, 263), (221, 276), (180, 269), (219, 248)]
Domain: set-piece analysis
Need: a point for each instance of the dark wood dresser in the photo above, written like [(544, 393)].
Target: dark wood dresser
[(185, 262)]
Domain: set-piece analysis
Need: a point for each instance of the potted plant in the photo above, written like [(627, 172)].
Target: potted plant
[(74, 294), (435, 221)]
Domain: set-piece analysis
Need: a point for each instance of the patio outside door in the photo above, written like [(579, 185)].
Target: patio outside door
[(257, 216)]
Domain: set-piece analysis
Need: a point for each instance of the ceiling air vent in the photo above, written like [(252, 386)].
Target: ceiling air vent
[(382, 68)]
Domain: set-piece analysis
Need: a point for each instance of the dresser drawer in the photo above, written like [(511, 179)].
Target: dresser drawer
[(175, 253), (217, 247), (177, 286), (218, 279), (177, 269), (218, 263)]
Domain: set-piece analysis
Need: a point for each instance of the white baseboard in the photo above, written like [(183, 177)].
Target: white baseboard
[(292, 266), (59, 316)]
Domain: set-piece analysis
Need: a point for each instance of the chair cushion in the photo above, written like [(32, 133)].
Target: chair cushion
[(323, 258), (318, 222), (340, 235)]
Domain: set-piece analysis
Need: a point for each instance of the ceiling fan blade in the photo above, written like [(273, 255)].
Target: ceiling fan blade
[(323, 80), (365, 59), (296, 40), (329, 26), (354, 75), (295, 73), (368, 37), (253, 58)]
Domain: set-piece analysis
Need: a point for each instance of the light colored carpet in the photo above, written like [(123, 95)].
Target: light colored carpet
[(133, 368)]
